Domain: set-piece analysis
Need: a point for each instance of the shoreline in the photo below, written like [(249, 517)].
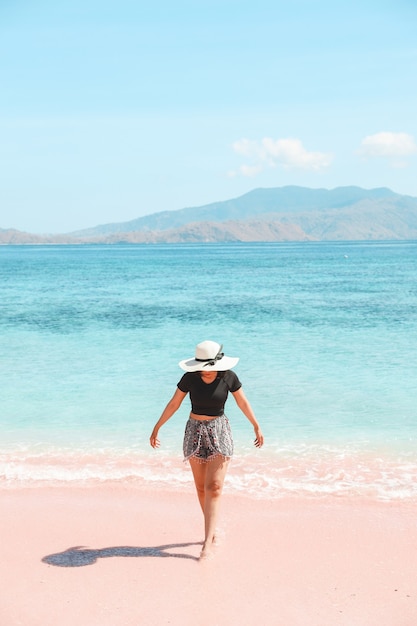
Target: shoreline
[(311, 473), (122, 555)]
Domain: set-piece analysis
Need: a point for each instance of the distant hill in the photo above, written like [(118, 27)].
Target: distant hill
[(15, 237), (276, 214), (270, 203)]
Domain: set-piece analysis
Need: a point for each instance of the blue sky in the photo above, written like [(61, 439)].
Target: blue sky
[(112, 110)]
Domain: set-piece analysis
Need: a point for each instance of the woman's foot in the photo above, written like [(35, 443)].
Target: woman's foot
[(207, 551), (219, 537), (209, 547)]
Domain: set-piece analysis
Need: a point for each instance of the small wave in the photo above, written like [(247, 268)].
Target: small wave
[(322, 473)]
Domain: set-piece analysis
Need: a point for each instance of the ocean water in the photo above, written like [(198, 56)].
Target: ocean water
[(91, 336)]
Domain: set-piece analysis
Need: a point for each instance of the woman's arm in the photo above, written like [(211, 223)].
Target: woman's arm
[(172, 406), (245, 407)]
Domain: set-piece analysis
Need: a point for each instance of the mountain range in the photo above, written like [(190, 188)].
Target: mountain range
[(274, 214)]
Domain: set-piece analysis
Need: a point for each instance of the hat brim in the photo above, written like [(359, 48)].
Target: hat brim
[(192, 365)]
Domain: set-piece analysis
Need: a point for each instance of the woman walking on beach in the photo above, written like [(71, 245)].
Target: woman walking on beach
[(208, 442)]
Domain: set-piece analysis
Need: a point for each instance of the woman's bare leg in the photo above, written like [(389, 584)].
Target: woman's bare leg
[(209, 479), (199, 474), (215, 475)]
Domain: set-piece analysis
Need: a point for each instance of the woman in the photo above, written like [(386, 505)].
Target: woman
[(208, 443)]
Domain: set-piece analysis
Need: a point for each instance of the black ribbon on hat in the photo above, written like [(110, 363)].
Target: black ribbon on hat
[(213, 361)]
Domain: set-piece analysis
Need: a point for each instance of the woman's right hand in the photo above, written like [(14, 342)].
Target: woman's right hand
[(259, 438), (168, 412)]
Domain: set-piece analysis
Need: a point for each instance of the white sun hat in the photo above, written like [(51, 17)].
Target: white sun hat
[(208, 358)]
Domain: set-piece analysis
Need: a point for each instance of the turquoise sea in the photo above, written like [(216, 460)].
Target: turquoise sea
[(91, 336)]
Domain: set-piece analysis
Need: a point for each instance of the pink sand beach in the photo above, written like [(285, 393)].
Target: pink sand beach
[(125, 556)]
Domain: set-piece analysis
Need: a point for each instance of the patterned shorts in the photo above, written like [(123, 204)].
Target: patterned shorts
[(205, 439)]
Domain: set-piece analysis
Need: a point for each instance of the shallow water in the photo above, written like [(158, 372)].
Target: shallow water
[(90, 338)]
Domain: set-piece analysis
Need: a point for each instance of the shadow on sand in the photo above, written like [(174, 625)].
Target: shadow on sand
[(80, 556)]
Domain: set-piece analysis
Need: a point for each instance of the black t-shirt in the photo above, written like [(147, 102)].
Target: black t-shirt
[(209, 399)]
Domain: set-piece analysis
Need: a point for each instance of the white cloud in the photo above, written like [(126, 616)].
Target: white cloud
[(250, 170), (244, 147), (388, 145), (287, 153)]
